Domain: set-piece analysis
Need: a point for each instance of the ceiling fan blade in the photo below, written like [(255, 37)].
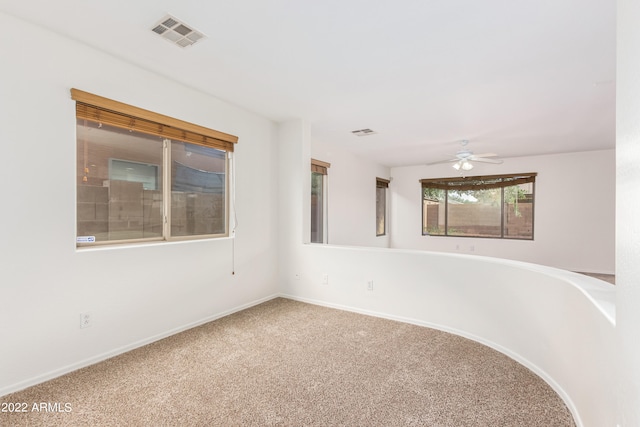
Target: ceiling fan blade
[(485, 160), (464, 156), (442, 161)]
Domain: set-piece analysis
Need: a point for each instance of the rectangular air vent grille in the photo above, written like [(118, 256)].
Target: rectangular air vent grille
[(363, 132), (169, 22), (177, 32)]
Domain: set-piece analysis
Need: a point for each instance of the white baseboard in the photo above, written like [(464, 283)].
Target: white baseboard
[(107, 355), (120, 350)]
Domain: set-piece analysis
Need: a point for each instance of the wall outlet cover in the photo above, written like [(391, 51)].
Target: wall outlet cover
[(85, 320)]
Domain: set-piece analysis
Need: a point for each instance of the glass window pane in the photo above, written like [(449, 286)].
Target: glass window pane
[(474, 213), (119, 189), (518, 211), (381, 209), (124, 170), (317, 207), (433, 211), (198, 188)]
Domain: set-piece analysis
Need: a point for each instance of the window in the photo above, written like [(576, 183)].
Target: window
[(142, 176), (381, 206), (319, 201), (497, 206)]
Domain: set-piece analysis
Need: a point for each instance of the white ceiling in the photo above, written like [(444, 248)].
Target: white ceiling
[(515, 77)]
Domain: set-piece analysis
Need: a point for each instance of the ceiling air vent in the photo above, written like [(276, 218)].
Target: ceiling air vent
[(177, 32), (363, 132)]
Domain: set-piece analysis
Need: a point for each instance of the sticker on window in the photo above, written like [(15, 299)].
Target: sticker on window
[(85, 239)]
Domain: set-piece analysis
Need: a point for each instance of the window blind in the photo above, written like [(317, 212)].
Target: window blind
[(106, 111), (382, 183), (479, 182), (319, 166)]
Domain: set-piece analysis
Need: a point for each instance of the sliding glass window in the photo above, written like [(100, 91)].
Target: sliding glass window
[(145, 180), (497, 206)]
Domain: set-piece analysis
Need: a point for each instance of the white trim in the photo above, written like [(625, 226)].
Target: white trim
[(120, 350)]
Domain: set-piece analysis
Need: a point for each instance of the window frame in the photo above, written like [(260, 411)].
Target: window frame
[(382, 183), (97, 109), (319, 167), (485, 182)]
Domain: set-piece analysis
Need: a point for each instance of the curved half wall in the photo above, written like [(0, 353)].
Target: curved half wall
[(557, 323)]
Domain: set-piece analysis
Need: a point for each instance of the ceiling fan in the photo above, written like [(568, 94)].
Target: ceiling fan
[(464, 157)]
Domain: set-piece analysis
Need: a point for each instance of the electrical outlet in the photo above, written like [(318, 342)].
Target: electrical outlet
[(325, 279), (86, 320), (370, 285)]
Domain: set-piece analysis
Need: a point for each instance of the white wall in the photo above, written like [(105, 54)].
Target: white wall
[(140, 293), (352, 197), (557, 323), (135, 293), (628, 212), (574, 212)]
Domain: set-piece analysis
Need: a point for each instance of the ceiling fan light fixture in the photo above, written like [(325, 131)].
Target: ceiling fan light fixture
[(463, 164), (465, 159)]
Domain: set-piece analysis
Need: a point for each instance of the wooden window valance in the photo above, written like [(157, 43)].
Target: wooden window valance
[(109, 112), (479, 182), (319, 166)]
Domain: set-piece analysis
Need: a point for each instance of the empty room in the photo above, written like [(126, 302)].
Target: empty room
[(320, 213)]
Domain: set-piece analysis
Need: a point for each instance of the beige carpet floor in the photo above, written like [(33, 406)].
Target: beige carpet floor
[(288, 363)]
